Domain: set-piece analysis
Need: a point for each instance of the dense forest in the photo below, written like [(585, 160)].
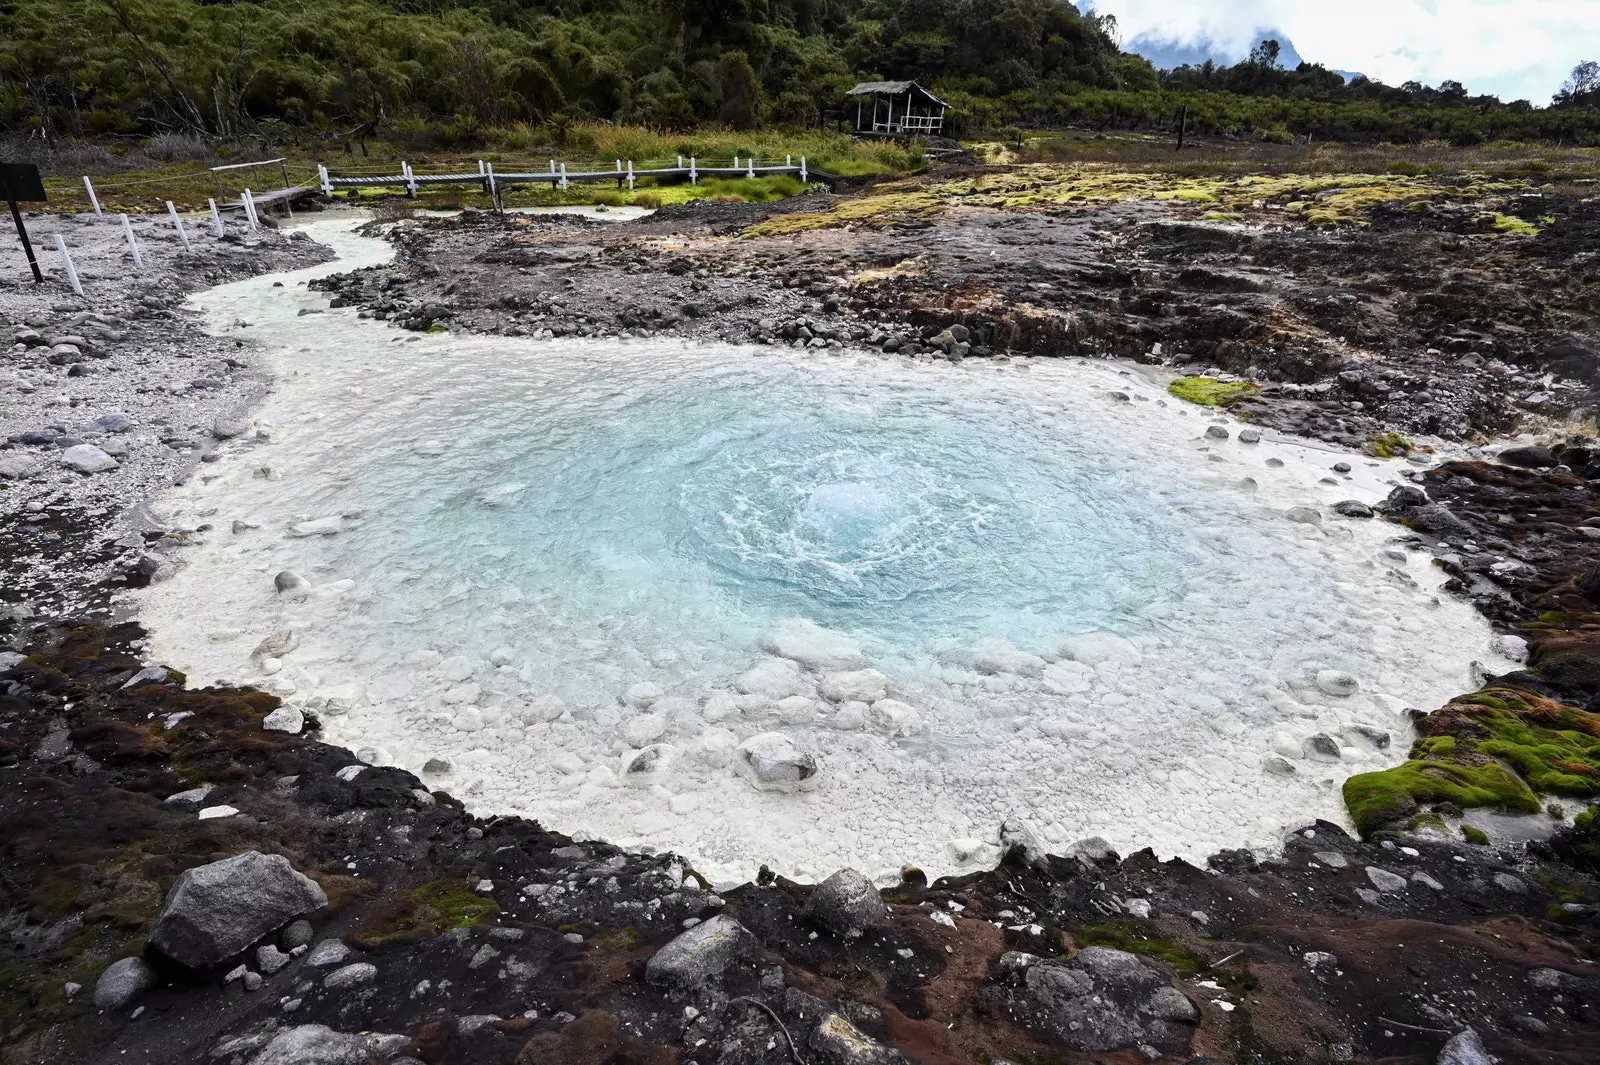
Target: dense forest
[(446, 73)]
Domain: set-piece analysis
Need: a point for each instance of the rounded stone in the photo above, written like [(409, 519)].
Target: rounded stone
[(847, 902)]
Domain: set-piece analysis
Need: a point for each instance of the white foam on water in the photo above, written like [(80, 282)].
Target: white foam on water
[(595, 576)]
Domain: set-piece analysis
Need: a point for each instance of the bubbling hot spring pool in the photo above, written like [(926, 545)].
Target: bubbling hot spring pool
[(806, 610)]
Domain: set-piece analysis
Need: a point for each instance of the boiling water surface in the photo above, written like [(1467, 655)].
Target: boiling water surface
[(530, 559)]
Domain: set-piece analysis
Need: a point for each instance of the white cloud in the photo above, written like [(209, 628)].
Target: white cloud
[(1512, 48)]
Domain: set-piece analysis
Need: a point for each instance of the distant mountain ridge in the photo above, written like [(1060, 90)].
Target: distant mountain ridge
[(1167, 53)]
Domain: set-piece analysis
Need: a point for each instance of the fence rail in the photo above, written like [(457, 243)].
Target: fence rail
[(560, 177)]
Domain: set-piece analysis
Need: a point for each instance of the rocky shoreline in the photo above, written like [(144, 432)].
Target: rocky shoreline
[(402, 928)]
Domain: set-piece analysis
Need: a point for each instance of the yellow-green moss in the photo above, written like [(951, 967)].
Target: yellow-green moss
[(1504, 223), (423, 913), (1378, 799), (1210, 392), (1475, 836), (1389, 445)]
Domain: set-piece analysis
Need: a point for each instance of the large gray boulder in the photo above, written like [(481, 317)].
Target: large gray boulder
[(215, 911), (700, 954), (313, 1044), (847, 902), (1465, 1048), (121, 981), (1098, 1000)]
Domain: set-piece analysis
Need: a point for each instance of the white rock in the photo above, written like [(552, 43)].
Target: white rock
[(774, 679), (773, 762), (1287, 746), (329, 526), (213, 812), (715, 747), (1336, 682), (810, 644), (542, 708), (642, 695), (1304, 515), (796, 710), (719, 707), (1512, 647), (893, 718), (457, 668), (86, 458), (861, 685), (1067, 678), (644, 730), (1000, 656), (1093, 648), (850, 717), (469, 719), (646, 765), (284, 719)]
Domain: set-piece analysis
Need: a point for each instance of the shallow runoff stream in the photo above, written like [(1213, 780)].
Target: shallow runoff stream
[(759, 606)]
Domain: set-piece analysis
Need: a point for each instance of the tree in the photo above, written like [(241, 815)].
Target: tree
[(1265, 54), (740, 90), (1582, 87)]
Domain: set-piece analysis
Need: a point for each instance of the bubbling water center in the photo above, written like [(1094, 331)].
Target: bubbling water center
[(802, 610)]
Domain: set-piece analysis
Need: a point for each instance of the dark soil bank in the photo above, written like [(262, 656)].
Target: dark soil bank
[(180, 884)]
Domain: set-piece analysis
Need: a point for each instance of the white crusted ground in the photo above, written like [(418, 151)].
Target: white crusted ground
[(582, 581)]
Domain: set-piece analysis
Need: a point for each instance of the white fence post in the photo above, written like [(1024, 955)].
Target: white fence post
[(563, 177), (630, 175), (249, 209), (66, 260), (216, 218), (322, 179), (494, 195), (694, 177), (680, 162), (802, 168), (177, 223), (133, 245), (89, 186), (751, 171)]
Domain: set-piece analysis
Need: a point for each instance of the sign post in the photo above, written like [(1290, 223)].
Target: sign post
[(21, 181)]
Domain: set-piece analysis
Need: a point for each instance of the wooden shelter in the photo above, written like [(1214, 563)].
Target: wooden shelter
[(897, 108)]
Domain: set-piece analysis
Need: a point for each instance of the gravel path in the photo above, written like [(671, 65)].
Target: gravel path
[(108, 397)]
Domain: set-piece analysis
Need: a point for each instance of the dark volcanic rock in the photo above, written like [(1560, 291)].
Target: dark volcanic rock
[(215, 911), (1097, 1000)]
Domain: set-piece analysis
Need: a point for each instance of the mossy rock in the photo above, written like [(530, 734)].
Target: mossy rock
[(423, 913), (1376, 800), (1210, 392), (1499, 747), (1389, 445), (1475, 836)]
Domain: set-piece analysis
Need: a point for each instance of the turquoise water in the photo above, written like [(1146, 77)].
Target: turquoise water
[(532, 557)]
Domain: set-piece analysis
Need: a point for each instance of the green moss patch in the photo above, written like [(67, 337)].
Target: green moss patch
[(423, 913), (1475, 836), (1510, 224), (1499, 747), (1210, 392), (1141, 937), (1389, 445)]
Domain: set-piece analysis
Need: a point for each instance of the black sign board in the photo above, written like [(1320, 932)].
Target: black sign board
[(21, 181)]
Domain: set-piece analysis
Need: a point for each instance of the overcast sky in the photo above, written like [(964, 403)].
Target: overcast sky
[(1516, 49)]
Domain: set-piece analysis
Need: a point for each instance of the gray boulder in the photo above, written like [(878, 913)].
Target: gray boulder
[(1465, 1048), (700, 954), (1097, 1000), (847, 902), (313, 1044), (215, 911), (86, 458), (1530, 457), (121, 981)]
